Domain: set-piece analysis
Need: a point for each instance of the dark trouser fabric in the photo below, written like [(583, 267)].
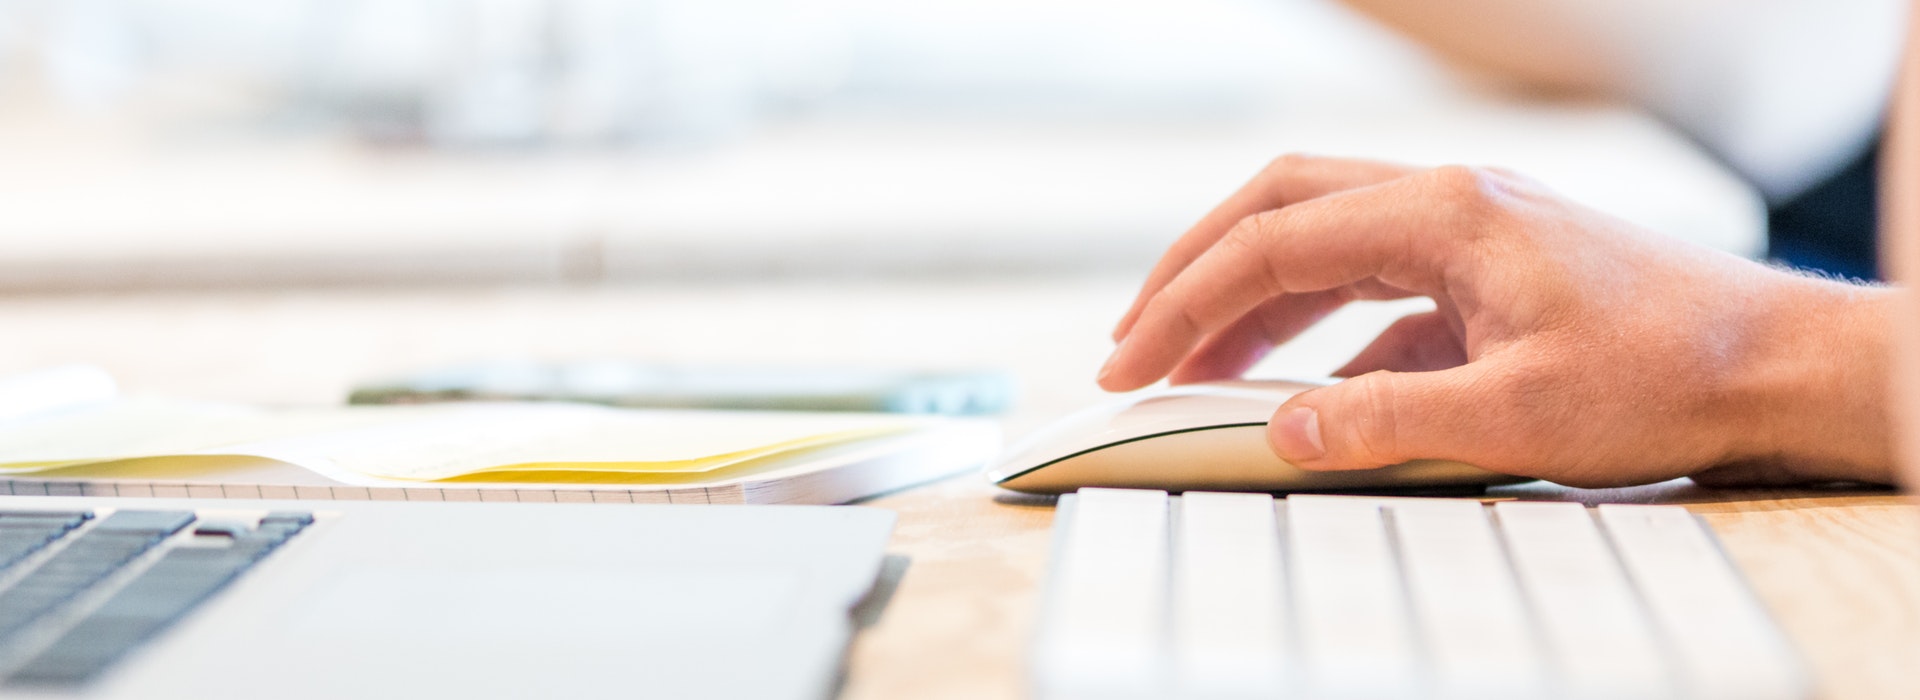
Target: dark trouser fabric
[(1831, 227)]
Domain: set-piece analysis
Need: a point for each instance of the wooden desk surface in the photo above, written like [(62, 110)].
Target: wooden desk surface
[(1840, 570)]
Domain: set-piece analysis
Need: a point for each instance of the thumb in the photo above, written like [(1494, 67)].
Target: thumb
[(1383, 418)]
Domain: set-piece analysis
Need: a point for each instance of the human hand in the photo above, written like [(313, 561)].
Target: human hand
[(1565, 344)]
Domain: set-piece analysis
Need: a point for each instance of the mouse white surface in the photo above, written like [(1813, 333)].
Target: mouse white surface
[(1210, 436)]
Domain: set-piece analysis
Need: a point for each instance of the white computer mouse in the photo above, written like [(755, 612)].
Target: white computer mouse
[(1199, 437)]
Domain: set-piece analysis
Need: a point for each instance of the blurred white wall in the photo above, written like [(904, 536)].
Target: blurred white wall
[(492, 72), (215, 142)]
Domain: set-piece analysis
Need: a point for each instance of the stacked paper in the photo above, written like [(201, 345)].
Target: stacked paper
[(370, 445)]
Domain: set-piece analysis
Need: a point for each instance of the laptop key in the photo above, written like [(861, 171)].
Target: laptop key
[(277, 531), (156, 522), (17, 544), (180, 580), (221, 528), (83, 652), (98, 551), (11, 552), (42, 528), (70, 519), (55, 672), (288, 516), (36, 536), (96, 554)]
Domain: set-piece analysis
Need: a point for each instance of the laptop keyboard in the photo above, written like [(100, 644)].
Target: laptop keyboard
[(77, 592), (1244, 595)]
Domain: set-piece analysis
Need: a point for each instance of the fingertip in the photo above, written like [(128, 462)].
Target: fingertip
[(1111, 373), (1295, 436), (1117, 380), (1115, 386)]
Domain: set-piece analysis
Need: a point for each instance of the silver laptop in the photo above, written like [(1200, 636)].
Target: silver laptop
[(158, 598)]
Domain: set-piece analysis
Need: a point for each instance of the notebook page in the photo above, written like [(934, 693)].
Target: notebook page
[(453, 440), (54, 389), (137, 428), (424, 443)]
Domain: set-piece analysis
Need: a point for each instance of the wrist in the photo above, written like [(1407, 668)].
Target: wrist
[(1808, 400)]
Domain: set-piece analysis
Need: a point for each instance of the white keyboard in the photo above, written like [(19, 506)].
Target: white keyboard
[(1232, 595)]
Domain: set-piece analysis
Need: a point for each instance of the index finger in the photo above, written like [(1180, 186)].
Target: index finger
[(1287, 180), (1398, 232)]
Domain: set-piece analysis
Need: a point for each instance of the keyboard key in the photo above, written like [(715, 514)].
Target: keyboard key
[(95, 555), (1724, 640), (1594, 627), (83, 652), (11, 552), (277, 531), (174, 585), (112, 549), (60, 522), (1353, 626), (1467, 606), (221, 528), (55, 671), (1229, 617), (154, 522), (288, 516), (20, 543), (29, 536), (1104, 630), (73, 518), (1233, 595)]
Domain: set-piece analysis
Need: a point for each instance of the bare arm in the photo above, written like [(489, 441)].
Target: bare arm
[(1562, 46), (1900, 218)]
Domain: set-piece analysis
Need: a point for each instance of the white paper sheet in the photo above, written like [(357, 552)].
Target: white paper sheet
[(431, 442)]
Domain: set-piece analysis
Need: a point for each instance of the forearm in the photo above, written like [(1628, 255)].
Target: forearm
[(1544, 43)]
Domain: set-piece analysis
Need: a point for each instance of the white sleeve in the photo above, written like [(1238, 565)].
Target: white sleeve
[(1786, 91)]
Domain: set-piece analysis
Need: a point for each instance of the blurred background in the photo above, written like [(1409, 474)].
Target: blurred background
[(276, 200), (220, 143)]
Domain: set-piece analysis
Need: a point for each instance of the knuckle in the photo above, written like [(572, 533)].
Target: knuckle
[(1254, 239), (1254, 232), (1174, 310), (1374, 427), (1468, 183), (1473, 198), (1253, 225), (1186, 321), (1288, 162), (1507, 175), (1281, 173)]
